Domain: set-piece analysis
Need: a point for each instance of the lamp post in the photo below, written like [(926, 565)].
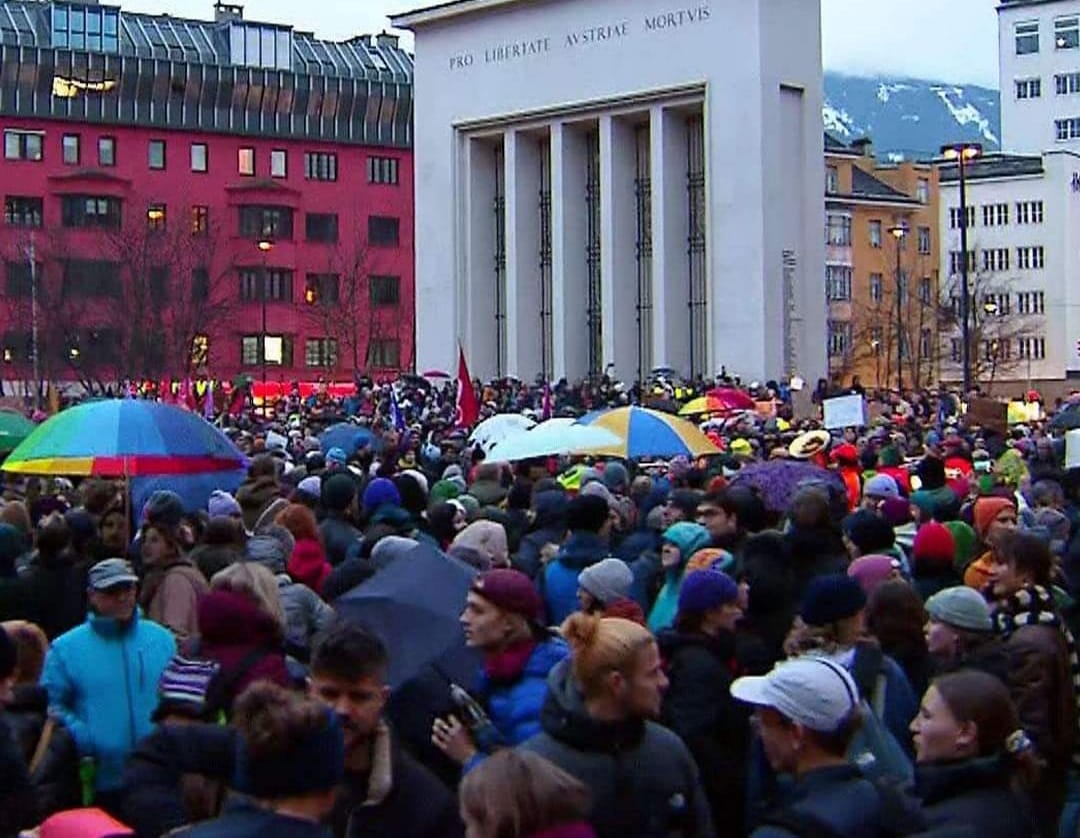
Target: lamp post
[(898, 232), (265, 246), (962, 153)]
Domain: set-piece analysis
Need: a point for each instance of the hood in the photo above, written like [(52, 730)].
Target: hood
[(390, 548), (582, 549), (688, 537), (550, 510), (229, 618), (564, 718)]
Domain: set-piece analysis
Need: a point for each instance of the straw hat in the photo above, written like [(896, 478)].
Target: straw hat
[(806, 445)]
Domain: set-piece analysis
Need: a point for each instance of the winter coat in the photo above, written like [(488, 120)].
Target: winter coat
[(338, 535), (698, 706), (55, 781), (241, 818), (644, 781), (515, 707), (102, 680), (170, 595), (308, 564), (346, 576), (17, 803), (838, 798), (560, 577), (814, 552), (59, 590), (254, 495), (305, 613), (975, 793), (548, 527)]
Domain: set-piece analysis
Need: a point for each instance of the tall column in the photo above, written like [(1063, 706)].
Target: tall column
[(478, 321), (618, 226), (523, 326), (569, 275), (671, 233)]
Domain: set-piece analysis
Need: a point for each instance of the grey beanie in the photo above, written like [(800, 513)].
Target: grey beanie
[(607, 580), (271, 548), (960, 607)]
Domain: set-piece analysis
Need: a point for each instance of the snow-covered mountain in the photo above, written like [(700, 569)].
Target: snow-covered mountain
[(911, 118)]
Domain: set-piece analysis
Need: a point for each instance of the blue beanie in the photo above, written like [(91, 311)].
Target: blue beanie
[(704, 590), (831, 598), (336, 456), (380, 492), (688, 537)]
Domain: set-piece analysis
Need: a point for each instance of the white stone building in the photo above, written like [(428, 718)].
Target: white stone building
[(619, 185)]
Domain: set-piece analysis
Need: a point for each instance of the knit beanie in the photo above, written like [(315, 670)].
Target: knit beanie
[(337, 456), (986, 510), (897, 511), (311, 486), (616, 477), (380, 491), (934, 545), (831, 598), (960, 607), (869, 531), (442, 491), (688, 537), (599, 490), (587, 512), (705, 590), (510, 590), (164, 509), (607, 580), (964, 539), (222, 505), (871, 571), (338, 492), (881, 486), (685, 500)]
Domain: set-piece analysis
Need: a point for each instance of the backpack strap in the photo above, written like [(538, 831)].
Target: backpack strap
[(866, 668), (220, 693), (47, 732)]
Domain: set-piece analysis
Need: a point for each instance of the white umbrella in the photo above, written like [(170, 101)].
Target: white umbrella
[(554, 437), (498, 428)]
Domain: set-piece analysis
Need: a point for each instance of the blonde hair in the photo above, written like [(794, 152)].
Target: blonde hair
[(600, 645), (829, 639), (256, 582), (31, 646), (516, 793)]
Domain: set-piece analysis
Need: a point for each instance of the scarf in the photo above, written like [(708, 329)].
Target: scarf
[(506, 666), (1034, 606)]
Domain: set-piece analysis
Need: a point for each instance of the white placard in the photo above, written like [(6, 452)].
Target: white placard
[(1072, 449), (845, 412)]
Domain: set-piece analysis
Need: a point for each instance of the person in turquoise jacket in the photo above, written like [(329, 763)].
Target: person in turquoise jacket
[(102, 676), (678, 543)]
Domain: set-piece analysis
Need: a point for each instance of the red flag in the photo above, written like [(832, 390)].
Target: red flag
[(468, 411)]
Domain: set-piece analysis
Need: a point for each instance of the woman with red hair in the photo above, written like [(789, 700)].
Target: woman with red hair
[(307, 564)]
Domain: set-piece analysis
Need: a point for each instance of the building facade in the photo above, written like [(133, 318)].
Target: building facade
[(201, 198), (881, 267), (619, 185), (1023, 270), (1039, 64)]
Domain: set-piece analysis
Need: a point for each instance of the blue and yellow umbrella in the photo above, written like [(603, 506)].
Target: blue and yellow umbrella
[(649, 433)]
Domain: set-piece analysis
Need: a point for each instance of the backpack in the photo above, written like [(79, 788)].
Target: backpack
[(873, 748)]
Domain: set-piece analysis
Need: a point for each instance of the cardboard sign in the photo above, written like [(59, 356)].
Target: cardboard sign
[(845, 412), (989, 414), (802, 405), (1072, 449)]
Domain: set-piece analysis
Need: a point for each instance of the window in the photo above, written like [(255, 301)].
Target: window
[(85, 27), (259, 222), (1030, 302), (876, 286), (156, 217), (245, 162), (384, 291), (156, 154), (320, 165), (384, 354), (385, 170), (24, 145), (278, 284), (322, 288), (159, 283), (88, 278), (18, 281), (988, 215), (320, 352), (954, 350), (1028, 88), (200, 285), (1029, 257), (257, 45), (279, 163), (200, 350), (384, 231), (1033, 349), (838, 230), (839, 338), (21, 211), (955, 217), (1029, 212), (106, 151), (1065, 84), (832, 180), (1067, 129), (278, 350), (837, 283), (1067, 32), (875, 234), (321, 227), (1027, 37), (70, 144), (922, 191), (1037, 257), (924, 240), (200, 157), (926, 342), (90, 211), (925, 291), (956, 261), (200, 220)]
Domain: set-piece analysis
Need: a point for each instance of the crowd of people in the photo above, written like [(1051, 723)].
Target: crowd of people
[(662, 648)]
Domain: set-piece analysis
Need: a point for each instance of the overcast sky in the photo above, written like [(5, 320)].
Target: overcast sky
[(947, 40)]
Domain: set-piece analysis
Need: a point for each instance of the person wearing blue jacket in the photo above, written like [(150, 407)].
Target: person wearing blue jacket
[(589, 520), (679, 542), (102, 676)]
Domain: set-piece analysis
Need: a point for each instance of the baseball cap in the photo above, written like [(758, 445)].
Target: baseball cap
[(110, 573), (816, 692)]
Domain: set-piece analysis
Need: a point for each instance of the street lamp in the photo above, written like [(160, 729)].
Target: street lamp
[(962, 153), (265, 246), (898, 232)]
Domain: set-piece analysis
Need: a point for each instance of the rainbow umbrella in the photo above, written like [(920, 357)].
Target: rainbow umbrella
[(649, 433), (125, 438)]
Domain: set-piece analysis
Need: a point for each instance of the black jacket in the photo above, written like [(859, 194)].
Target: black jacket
[(243, 819), (974, 793), (338, 535), (17, 809), (55, 781)]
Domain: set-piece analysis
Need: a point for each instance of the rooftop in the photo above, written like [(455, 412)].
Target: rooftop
[(438, 12), (993, 166)]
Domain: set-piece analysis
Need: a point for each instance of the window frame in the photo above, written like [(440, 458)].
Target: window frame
[(1070, 26), (1027, 31), (24, 141), (248, 153), (109, 142), (150, 156), (205, 168), (65, 158), (284, 158), (379, 241)]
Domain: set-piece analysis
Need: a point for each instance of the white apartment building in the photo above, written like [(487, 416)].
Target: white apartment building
[(1039, 64), (1024, 269), (619, 185)]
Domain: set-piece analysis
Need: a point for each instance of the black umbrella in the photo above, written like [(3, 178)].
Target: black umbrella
[(1068, 419)]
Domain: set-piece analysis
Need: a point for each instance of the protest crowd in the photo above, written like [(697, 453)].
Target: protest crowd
[(814, 627)]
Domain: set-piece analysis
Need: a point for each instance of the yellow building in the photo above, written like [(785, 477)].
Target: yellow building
[(881, 268)]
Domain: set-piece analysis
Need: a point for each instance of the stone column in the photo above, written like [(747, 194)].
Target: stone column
[(618, 224), (569, 274), (523, 254)]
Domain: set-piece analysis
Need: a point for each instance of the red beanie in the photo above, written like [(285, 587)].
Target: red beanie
[(934, 544), (510, 590), (986, 510)]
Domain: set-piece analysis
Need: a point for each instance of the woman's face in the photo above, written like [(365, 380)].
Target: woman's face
[(670, 555), (941, 640), (459, 521), (1004, 522), (937, 734), (155, 548), (112, 533)]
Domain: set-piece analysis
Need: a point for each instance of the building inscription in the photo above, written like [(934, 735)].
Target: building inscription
[(617, 30)]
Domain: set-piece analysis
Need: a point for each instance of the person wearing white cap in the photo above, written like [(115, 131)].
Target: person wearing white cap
[(806, 712)]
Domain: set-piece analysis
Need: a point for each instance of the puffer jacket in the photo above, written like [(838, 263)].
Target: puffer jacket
[(55, 781), (560, 577), (338, 535), (644, 781), (973, 793), (837, 800), (515, 706), (305, 613), (254, 495), (102, 680), (548, 527)]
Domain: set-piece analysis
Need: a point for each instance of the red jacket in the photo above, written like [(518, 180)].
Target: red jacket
[(308, 564)]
